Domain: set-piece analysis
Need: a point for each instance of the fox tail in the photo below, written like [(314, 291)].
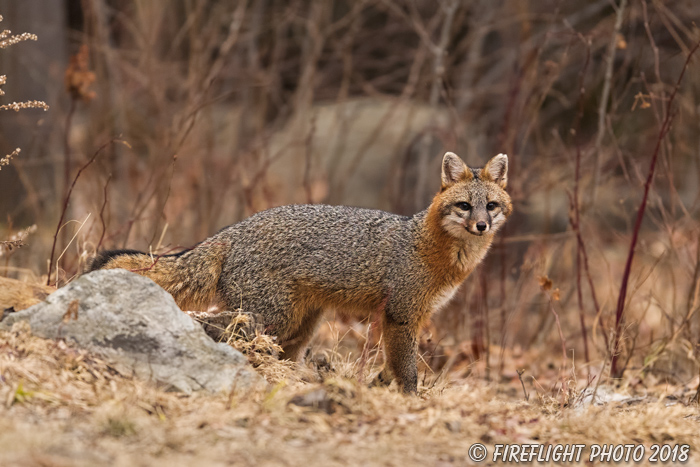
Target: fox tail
[(190, 276)]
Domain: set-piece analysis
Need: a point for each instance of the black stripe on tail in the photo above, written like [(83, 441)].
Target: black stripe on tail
[(104, 257)]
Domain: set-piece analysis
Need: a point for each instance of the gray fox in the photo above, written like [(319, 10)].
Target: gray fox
[(289, 263)]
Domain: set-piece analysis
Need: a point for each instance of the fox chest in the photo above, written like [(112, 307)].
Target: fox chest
[(442, 297)]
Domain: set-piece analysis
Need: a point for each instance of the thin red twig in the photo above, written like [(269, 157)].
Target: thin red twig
[(67, 199), (575, 220), (102, 211), (66, 146), (665, 128)]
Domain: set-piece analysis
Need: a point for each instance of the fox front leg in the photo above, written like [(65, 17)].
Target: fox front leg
[(400, 348)]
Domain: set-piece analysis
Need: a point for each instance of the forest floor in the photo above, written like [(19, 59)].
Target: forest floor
[(62, 406)]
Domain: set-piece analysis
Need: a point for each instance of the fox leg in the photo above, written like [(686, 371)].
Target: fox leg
[(400, 348), (296, 341)]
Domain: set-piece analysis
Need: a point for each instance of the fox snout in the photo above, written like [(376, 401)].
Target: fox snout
[(478, 226)]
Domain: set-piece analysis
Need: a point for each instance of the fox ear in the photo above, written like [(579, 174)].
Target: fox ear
[(454, 170), (497, 170)]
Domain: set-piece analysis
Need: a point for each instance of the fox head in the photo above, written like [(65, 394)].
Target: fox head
[(473, 201)]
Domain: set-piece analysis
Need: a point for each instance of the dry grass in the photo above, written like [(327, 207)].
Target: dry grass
[(62, 406)]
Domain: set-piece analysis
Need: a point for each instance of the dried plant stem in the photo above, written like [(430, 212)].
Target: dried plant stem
[(564, 383), (66, 164), (582, 259), (364, 356), (602, 107), (65, 204), (66, 147), (82, 224), (308, 155), (484, 294), (692, 306), (439, 51), (217, 67), (503, 292), (586, 268), (581, 312), (663, 131), (520, 377), (575, 219), (409, 89), (450, 8), (7, 40), (102, 212), (692, 300), (6, 160), (161, 211)]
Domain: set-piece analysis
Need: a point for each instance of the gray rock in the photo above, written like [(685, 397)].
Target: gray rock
[(136, 326)]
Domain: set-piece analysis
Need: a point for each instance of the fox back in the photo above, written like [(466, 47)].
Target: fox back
[(289, 264)]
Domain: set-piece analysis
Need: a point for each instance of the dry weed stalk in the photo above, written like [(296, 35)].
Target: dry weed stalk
[(78, 81), (554, 296), (615, 371), (575, 210), (602, 108), (65, 205), (17, 240), (6, 159), (6, 40)]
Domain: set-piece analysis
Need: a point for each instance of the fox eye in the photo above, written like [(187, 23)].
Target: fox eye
[(491, 205), (463, 206)]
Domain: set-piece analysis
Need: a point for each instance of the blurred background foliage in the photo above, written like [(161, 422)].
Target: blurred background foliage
[(208, 111)]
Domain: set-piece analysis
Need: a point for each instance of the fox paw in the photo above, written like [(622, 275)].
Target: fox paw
[(381, 380)]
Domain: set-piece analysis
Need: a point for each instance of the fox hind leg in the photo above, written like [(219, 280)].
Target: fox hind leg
[(295, 342)]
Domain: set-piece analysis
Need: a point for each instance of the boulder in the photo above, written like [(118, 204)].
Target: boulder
[(136, 326)]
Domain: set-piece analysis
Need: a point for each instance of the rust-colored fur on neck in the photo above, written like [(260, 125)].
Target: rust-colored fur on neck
[(448, 260), (447, 256)]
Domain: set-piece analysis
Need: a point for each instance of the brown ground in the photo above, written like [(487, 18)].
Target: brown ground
[(60, 406)]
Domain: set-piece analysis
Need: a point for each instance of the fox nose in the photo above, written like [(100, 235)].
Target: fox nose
[(481, 226)]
